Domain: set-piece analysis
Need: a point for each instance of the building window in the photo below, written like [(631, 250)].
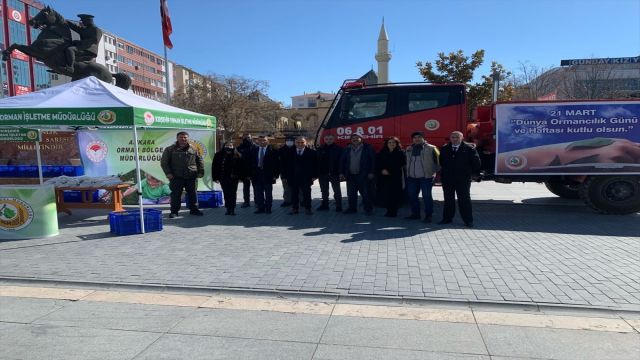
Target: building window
[(17, 33), (34, 32), (21, 72), (41, 77), (120, 45), (16, 4)]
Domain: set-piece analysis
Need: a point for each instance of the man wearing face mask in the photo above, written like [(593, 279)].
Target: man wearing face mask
[(286, 154), (329, 172), (227, 169), (245, 150)]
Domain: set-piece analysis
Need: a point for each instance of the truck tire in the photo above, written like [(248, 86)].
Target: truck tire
[(563, 190), (612, 194)]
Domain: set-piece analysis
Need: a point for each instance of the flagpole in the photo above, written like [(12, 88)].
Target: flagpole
[(166, 73)]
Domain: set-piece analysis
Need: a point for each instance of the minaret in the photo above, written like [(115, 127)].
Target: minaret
[(383, 56)]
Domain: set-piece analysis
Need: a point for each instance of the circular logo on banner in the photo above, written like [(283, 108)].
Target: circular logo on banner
[(15, 14), (96, 151), (15, 214), (516, 162), (107, 117), (32, 135), (432, 125), (149, 119), (199, 146)]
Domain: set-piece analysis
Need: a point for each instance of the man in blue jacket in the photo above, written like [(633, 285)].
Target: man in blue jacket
[(357, 166)]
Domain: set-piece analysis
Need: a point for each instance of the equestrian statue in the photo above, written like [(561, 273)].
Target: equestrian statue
[(55, 48)]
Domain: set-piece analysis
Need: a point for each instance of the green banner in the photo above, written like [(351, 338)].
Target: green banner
[(19, 135), (69, 116), (160, 119), (112, 152), (27, 212)]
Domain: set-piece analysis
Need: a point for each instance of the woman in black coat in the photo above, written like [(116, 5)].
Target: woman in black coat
[(390, 164), (227, 169)]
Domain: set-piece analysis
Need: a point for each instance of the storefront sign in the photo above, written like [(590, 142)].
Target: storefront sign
[(19, 135)]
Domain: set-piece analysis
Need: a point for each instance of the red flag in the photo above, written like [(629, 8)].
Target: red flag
[(167, 29)]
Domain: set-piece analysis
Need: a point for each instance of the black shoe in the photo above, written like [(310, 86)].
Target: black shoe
[(259, 211), (245, 205), (294, 212), (228, 212), (173, 215), (350, 211), (444, 222), (468, 224), (268, 211), (428, 219), (323, 207), (285, 204), (196, 213), (413, 217), (232, 212)]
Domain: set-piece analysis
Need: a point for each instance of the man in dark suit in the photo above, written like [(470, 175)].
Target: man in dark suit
[(303, 172), (265, 171), (329, 172), (245, 150), (357, 166), (459, 161)]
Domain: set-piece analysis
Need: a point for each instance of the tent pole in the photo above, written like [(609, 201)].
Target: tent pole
[(39, 161), (138, 177)]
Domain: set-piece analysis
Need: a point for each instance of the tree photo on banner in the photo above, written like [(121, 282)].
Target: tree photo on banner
[(111, 152)]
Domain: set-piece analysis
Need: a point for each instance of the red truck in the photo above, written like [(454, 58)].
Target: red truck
[(579, 149)]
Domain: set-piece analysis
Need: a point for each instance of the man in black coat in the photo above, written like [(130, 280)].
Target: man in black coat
[(303, 172), (286, 153), (357, 167), (459, 161), (245, 150), (265, 170), (329, 172)]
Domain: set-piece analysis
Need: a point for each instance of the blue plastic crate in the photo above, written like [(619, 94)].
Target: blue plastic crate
[(72, 170), (27, 171), (50, 171), (8, 171), (210, 199), (128, 222), (75, 196)]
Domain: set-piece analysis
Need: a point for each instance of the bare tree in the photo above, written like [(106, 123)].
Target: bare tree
[(238, 103), (593, 81), (534, 83)]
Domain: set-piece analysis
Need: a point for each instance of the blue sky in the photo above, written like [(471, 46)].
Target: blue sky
[(306, 46)]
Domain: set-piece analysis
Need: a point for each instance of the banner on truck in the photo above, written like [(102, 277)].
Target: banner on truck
[(111, 152), (568, 138)]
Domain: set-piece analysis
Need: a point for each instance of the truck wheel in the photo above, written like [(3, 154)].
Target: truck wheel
[(564, 190), (612, 194)]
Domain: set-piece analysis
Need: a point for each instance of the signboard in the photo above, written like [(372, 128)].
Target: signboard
[(111, 152), (16, 16), (20, 90), (601, 61), (19, 135), (58, 148), (568, 138), (27, 212)]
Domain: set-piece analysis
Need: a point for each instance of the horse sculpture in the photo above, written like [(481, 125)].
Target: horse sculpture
[(49, 47)]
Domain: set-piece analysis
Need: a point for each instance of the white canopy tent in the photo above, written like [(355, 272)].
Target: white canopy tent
[(90, 102)]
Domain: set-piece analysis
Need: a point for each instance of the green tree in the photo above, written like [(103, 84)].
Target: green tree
[(456, 67)]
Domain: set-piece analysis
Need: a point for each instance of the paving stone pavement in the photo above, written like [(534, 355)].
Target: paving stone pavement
[(532, 249)]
